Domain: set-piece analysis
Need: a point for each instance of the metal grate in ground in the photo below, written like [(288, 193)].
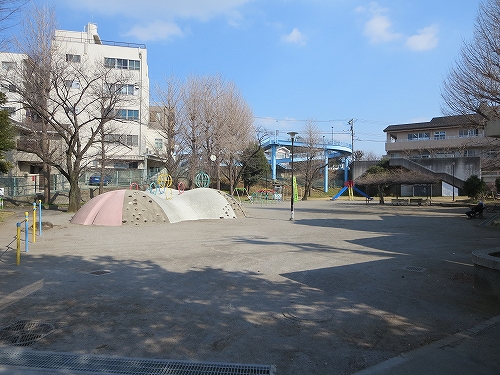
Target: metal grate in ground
[(414, 269), (121, 365), (25, 332)]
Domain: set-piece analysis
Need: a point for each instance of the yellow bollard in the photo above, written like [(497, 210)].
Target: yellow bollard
[(18, 249), (34, 222)]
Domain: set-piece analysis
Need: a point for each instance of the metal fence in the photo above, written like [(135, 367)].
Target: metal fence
[(31, 184)]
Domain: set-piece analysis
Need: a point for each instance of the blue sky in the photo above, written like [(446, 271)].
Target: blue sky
[(380, 63)]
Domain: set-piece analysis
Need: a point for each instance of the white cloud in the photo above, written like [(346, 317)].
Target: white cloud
[(378, 30), (426, 39), (294, 37), (166, 12), (155, 31)]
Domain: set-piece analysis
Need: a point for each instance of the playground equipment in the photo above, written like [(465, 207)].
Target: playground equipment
[(349, 186), (242, 192), (331, 149), (202, 180)]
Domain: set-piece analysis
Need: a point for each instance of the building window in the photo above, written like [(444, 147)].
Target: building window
[(128, 114), (33, 116), (158, 144), (9, 65), (9, 87), (121, 64), (134, 64), (110, 62), (10, 110), (112, 138), (418, 136), (470, 153), (440, 135), (446, 154), (126, 139), (122, 89), (73, 58), (154, 116), (467, 133), (132, 140), (72, 84)]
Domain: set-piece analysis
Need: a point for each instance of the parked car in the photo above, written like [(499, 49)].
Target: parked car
[(96, 180)]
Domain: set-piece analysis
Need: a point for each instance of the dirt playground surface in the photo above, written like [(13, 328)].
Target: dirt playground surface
[(343, 287)]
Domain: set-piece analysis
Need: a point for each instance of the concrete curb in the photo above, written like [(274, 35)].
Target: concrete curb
[(453, 340)]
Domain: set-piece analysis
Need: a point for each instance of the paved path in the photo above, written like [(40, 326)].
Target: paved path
[(346, 287)]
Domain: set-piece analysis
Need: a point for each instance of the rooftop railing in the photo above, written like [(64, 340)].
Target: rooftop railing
[(103, 42)]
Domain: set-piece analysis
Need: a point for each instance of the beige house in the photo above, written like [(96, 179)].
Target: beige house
[(454, 147)]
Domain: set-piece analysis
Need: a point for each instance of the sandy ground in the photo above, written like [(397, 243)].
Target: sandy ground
[(343, 287)]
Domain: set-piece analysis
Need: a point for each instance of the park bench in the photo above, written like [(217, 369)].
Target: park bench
[(400, 202), (418, 201)]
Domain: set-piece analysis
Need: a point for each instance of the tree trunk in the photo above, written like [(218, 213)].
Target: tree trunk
[(75, 194), (103, 158), (307, 191), (381, 194), (46, 184)]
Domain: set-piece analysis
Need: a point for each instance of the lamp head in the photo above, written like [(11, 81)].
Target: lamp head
[(292, 134)]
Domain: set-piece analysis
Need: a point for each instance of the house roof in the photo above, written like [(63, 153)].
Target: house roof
[(439, 122)]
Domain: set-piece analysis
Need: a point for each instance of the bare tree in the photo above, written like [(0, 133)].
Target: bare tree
[(191, 131), (169, 105), (311, 154), (473, 84), (8, 11), (70, 106), (35, 42), (207, 118), (236, 133)]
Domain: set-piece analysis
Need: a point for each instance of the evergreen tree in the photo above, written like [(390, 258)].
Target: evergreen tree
[(256, 167), (474, 186)]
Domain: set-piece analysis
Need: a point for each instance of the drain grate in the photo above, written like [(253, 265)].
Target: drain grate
[(125, 366), (414, 268), (100, 272), (25, 332)]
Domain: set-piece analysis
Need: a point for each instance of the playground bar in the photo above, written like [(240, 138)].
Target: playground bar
[(26, 230), (18, 247), (39, 217)]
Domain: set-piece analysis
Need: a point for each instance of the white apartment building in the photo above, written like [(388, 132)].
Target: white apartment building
[(132, 130)]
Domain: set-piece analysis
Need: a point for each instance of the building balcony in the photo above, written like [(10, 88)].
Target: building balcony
[(451, 142)]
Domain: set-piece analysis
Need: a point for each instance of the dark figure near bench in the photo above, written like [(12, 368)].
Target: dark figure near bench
[(476, 211)]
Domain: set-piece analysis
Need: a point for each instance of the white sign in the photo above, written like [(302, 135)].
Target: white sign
[(1, 192)]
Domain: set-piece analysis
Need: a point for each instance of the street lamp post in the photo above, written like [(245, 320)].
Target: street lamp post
[(292, 135), (453, 186)]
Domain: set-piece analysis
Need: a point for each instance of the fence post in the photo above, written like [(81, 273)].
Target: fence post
[(18, 243), (26, 232)]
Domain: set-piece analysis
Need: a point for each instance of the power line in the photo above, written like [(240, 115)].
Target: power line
[(346, 120)]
